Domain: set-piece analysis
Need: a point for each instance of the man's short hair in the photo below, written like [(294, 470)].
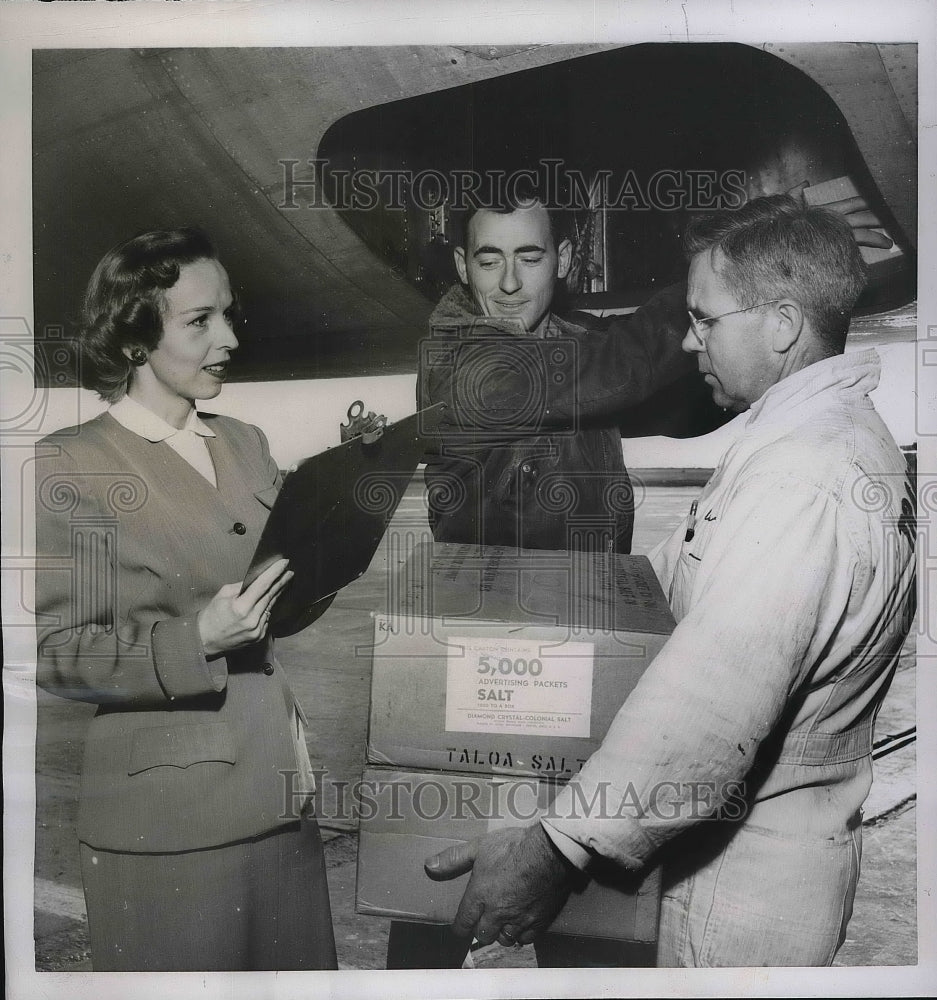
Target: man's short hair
[(775, 247), (520, 190)]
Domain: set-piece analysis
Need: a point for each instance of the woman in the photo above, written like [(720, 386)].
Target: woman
[(195, 849)]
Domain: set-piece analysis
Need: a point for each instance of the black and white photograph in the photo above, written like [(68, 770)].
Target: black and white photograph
[(467, 484)]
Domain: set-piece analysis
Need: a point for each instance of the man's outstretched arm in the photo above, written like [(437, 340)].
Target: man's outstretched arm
[(494, 382)]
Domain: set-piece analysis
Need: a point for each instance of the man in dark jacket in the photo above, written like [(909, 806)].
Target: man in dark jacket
[(518, 473), (821, 623), (522, 476)]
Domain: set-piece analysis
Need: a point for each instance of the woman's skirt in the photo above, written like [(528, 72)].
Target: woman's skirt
[(256, 904)]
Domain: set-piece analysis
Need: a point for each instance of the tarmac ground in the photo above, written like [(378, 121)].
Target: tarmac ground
[(329, 666)]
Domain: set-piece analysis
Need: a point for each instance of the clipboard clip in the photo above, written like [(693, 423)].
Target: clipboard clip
[(369, 428)]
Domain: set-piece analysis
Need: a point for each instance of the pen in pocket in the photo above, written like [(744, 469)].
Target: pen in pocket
[(691, 524)]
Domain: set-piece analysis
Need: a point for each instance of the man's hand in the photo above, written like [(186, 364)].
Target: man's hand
[(856, 212), (519, 884)]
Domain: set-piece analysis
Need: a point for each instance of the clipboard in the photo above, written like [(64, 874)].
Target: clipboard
[(331, 514)]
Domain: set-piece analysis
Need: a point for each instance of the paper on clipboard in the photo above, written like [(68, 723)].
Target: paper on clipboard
[(331, 514)]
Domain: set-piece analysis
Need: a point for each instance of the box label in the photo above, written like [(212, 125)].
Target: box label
[(521, 687)]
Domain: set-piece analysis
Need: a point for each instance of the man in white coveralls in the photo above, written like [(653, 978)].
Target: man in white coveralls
[(792, 582)]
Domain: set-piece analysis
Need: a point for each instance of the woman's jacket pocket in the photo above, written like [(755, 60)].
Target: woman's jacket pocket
[(180, 746)]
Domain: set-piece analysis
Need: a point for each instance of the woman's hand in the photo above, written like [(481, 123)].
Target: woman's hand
[(232, 619)]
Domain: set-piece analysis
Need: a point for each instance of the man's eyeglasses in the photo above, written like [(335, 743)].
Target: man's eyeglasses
[(699, 325)]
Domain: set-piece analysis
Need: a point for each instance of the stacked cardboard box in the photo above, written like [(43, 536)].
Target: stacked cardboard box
[(496, 674)]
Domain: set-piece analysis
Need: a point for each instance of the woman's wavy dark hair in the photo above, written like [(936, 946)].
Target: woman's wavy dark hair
[(124, 301)]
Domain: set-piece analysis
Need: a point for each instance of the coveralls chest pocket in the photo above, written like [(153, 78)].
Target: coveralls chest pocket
[(700, 524)]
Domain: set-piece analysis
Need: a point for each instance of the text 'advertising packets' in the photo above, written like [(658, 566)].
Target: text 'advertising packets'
[(495, 660)]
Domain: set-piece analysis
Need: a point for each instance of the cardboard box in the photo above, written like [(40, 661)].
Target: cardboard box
[(496, 661), (408, 816)]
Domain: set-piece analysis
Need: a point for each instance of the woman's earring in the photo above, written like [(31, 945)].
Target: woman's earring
[(138, 356)]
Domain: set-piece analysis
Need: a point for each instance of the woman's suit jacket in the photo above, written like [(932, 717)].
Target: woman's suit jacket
[(182, 753)]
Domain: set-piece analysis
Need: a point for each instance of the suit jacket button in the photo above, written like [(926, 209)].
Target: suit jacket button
[(240, 529), (268, 669)]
